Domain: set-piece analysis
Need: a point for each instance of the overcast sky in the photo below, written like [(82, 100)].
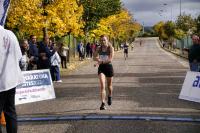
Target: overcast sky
[(150, 12)]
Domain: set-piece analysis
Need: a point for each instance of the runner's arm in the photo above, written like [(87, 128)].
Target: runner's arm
[(96, 56)]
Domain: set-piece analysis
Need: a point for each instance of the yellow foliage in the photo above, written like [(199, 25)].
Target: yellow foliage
[(117, 26), (28, 17)]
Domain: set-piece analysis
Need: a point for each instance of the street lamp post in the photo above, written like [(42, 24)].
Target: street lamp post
[(180, 7), (165, 4), (143, 28)]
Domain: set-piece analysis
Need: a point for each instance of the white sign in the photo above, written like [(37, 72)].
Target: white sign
[(191, 87), (36, 87)]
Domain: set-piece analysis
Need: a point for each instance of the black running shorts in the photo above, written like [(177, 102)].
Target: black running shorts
[(126, 51), (106, 69)]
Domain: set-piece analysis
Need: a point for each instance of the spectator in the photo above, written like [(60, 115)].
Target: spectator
[(44, 54), (55, 64), (88, 49), (24, 62), (33, 53), (93, 48), (80, 50), (63, 51), (194, 54), (10, 77)]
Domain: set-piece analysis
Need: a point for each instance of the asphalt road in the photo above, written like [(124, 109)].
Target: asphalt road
[(147, 84)]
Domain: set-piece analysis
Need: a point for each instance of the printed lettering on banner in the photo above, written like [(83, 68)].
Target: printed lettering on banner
[(36, 87), (191, 87)]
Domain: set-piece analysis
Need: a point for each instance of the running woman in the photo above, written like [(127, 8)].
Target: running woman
[(140, 42), (104, 55)]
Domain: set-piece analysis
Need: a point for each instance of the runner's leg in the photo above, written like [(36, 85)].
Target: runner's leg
[(109, 84), (102, 90), (110, 89), (102, 87)]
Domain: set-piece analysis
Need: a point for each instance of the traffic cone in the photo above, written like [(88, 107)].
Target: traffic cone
[(2, 119)]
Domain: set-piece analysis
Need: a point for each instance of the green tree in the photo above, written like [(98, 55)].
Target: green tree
[(169, 28), (186, 23), (179, 34), (95, 10), (197, 21), (159, 30)]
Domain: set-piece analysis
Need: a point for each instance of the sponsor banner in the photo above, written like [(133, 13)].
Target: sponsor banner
[(37, 86), (191, 87)]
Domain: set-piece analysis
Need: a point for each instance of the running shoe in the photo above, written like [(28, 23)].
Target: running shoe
[(109, 100), (103, 106)]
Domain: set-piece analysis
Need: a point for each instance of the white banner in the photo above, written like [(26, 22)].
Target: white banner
[(4, 5), (36, 87), (191, 87)]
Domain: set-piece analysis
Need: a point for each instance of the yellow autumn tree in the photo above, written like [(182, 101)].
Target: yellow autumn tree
[(159, 29), (60, 17), (25, 17), (120, 26), (64, 16)]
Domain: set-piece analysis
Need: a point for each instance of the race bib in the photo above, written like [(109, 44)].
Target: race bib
[(103, 57)]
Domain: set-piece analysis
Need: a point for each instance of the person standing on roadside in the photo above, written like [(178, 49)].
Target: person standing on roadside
[(55, 65), (104, 56), (44, 54), (80, 49), (194, 54), (33, 53), (10, 76), (88, 49), (24, 62), (63, 52)]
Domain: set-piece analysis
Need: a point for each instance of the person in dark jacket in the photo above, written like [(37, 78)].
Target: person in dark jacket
[(33, 53), (194, 54), (44, 54)]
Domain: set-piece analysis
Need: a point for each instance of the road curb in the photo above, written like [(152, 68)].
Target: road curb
[(108, 117)]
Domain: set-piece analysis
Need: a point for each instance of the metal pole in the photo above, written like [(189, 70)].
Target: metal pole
[(171, 13), (180, 7), (143, 28)]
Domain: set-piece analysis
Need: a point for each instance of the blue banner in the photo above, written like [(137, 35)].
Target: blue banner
[(36, 79), (4, 5)]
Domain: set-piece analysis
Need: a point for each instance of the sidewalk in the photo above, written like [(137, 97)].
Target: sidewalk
[(73, 65), (175, 51)]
